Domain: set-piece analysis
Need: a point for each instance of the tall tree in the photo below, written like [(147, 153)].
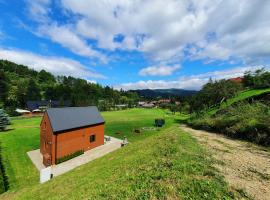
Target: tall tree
[(45, 77), (3, 86), (33, 91)]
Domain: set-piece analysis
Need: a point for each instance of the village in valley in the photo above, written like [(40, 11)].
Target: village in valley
[(134, 100)]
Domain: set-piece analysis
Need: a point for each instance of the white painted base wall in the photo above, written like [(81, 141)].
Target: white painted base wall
[(45, 174)]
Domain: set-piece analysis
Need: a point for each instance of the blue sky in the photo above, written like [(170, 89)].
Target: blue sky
[(137, 44)]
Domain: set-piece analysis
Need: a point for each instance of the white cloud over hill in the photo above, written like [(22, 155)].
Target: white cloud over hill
[(193, 82), (55, 65), (159, 70)]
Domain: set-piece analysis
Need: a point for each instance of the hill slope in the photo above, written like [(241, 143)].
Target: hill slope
[(240, 97), (164, 164)]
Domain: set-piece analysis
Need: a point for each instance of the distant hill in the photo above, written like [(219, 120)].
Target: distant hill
[(148, 93)]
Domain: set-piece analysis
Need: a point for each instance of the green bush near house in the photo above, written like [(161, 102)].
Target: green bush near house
[(70, 156)]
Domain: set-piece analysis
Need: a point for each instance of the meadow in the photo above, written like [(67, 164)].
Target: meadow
[(163, 163), (23, 136)]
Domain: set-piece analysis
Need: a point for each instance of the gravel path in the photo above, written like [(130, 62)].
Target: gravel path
[(245, 166)]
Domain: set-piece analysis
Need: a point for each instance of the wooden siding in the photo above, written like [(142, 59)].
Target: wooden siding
[(79, 139), (65, 143)]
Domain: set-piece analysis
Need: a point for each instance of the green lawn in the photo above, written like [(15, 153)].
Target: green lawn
[(23, 136), (165, 164), (241, 96), (122, 123)]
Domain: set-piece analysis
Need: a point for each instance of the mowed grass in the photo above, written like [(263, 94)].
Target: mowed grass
[(163, 164), (241, 96), (122, 124), (167, 165), (23, 136)]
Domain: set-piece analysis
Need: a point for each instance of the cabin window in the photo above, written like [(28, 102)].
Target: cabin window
[(92, 138)]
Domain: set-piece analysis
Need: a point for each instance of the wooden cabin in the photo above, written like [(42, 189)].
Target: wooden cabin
[(65, 131)]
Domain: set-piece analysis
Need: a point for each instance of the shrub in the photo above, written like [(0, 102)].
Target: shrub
[(4, 120), (245, 121), (159, 122), (257, 79), (70, 156)]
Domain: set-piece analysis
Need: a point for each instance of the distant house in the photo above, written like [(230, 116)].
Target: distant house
[(44, 104), (65, 131), (141, 103), (22, 111), (148, 105), (237, 79), (164, 101), (121, 106)]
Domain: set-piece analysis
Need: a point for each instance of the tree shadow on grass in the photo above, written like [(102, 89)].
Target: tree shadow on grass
[(181, 121), (6, 130)]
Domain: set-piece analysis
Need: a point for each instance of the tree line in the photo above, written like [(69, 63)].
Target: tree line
[(247, 119), (214, 93), (19, 84)]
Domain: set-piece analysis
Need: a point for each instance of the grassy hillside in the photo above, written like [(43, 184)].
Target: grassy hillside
[(169, 165), (247, 120), (165, 163), (241, 96), (23, 136)]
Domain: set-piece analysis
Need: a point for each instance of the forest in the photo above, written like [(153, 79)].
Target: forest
[(19, 84)]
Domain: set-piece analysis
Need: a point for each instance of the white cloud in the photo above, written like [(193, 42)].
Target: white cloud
[(193, 82), (39, 9), (64, 35), (67, 38), (91, 81), (55, 65), (164, 29), (159, 70)]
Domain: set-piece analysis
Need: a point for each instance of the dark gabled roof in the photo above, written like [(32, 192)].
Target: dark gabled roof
[(73, 117), (32, 105)]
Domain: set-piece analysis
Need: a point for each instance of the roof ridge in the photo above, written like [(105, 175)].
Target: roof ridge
[(73, 107)]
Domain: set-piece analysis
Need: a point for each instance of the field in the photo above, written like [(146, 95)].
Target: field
[(166, 163)]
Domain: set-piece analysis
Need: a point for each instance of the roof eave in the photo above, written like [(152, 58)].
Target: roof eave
[(76, 128)]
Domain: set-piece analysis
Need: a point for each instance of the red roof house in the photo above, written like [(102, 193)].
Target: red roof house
[(236, 80)]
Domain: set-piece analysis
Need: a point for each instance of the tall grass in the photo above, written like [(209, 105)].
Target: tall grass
[(243, 120)]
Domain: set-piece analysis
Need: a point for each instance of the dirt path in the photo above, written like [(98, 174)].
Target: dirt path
[(246, 167)]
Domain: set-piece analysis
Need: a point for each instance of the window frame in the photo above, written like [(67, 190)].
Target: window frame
[(92, 138)]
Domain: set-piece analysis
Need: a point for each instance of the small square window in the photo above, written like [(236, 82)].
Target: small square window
[(92, 138)]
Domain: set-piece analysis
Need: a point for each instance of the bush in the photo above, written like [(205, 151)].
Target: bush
[(11, 111), (159, 122), (245, 121), (4, 120), (70, 156), (257, 79)]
